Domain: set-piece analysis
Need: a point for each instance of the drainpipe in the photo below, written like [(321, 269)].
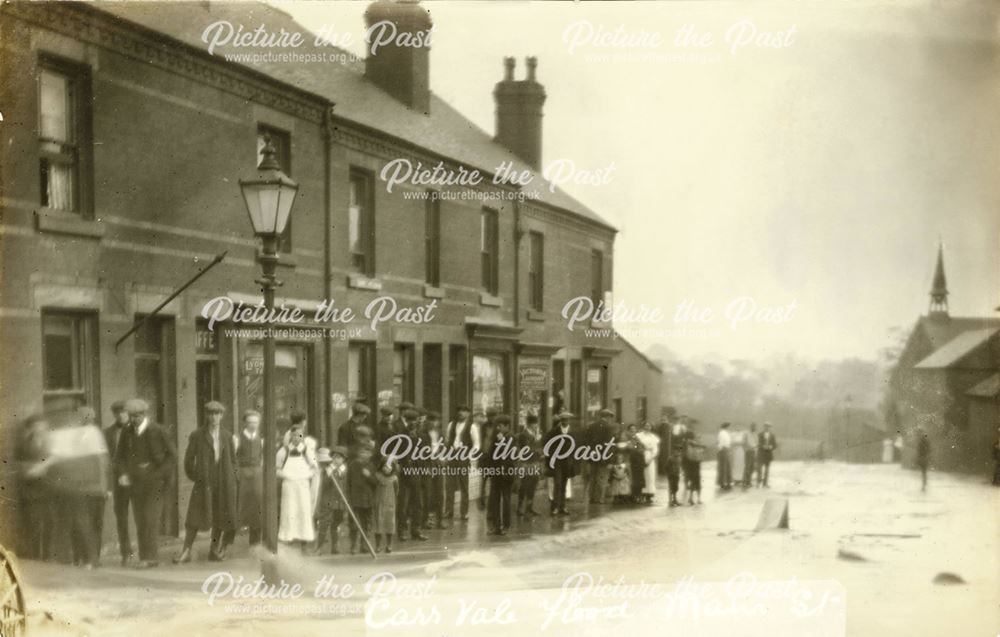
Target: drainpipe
[(327, 125)]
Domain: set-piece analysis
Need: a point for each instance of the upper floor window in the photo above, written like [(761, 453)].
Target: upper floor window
[(63, 135), (361, 222), (432, 240), (536, 271), (490, 250), (281, 141), (596, 276)]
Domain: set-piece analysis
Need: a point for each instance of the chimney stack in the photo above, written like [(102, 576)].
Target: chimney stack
[(519, 112), (401, 70)]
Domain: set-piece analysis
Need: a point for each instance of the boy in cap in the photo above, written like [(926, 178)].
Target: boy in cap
[(120, 495), (330, 508)]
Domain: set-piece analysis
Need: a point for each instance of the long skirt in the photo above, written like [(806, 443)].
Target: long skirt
[(649, 478), (296, 522), (738, 462)]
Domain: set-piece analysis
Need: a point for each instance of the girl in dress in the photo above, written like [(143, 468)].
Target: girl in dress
[(650, 451), (386, 491), (297, 465), (739, 457), (621, 479)]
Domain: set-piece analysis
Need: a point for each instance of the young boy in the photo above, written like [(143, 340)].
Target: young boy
[(361, 491), (330, 509)]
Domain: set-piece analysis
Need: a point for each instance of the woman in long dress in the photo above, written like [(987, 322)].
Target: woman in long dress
[(739, 456), (651, 451), (296, 464)]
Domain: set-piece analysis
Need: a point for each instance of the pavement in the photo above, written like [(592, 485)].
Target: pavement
[(897, 552)]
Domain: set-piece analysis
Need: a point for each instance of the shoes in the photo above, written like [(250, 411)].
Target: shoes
[(147, 564), (126, 560), (418, 536), (465, 518), (388, 549), (182, 558)]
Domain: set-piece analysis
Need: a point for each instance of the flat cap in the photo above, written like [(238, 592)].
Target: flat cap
[(410, 414), (117, 406), (502, 419), (566, 415), (606, 412), (214, 407), (136, 406), (361, 408)]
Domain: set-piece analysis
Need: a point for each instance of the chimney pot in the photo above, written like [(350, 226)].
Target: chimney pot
[(402, 71), (519, 113)]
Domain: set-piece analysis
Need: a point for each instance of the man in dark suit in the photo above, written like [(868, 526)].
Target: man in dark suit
[(600, 436), (462, 439), (766, 445), (561, 469), (500, 464), (410, 511), (349, 435), (120, 495), (146, 457), (210, 463)]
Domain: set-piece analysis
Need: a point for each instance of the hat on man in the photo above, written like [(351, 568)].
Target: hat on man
[(386, 411), (360, 408), (607, 413), (502, 419), (566, 415), (338, 450), (136, 406), (410, 414), (214, 407), (117, 406)]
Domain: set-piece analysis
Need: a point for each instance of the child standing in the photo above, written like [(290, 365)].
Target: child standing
[(360, 491), (621, 480), (330, 508), (386, 491), (296, 464)]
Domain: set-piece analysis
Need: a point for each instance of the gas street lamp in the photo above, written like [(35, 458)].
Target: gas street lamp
[(269, 197)]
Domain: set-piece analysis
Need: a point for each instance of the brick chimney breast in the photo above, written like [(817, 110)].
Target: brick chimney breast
[(519, 112), (401, 67)]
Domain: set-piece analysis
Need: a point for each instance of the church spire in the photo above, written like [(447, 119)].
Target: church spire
[(939, 289)]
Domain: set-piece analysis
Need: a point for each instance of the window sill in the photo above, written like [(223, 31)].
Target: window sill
[(535, 315), (433, 292), (68, 223), (485, 298), (362, 282), (285, 259)]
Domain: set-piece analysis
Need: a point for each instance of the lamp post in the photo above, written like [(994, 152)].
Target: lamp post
[(269, 197)]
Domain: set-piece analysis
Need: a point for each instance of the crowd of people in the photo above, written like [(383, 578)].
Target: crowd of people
[(744, 457), (365, 481)]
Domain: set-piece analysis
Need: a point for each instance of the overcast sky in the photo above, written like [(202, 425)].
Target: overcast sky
[(821, 172)]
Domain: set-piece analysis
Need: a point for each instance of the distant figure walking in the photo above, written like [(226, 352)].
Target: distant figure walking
[(724, 442), (767, 444), (923, 456), (887, 451), (738, 456)]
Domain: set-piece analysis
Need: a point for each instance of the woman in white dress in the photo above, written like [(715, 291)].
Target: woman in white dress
[(739, 456), (651, 447), (296, 463)]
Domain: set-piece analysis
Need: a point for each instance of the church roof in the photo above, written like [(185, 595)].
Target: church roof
[(957, 348), (943, 329), (444, 131)]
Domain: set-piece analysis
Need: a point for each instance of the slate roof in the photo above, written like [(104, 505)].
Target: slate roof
[(445, 131), (941, 330), (957, 348)]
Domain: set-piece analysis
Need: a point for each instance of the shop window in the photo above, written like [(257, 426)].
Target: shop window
[(489, 381), (70, 366)]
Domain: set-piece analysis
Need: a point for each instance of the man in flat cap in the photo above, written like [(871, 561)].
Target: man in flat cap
[(601, 436), (210, 463), (462, 440), (410, 512), (560, 469), (348, 434), (120, 495), (146, 457)]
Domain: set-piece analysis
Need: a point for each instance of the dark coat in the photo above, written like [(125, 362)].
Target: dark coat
[(767, 442), (360, 487), (566, 465), (213, 495), (155, 474), (329, 498)]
